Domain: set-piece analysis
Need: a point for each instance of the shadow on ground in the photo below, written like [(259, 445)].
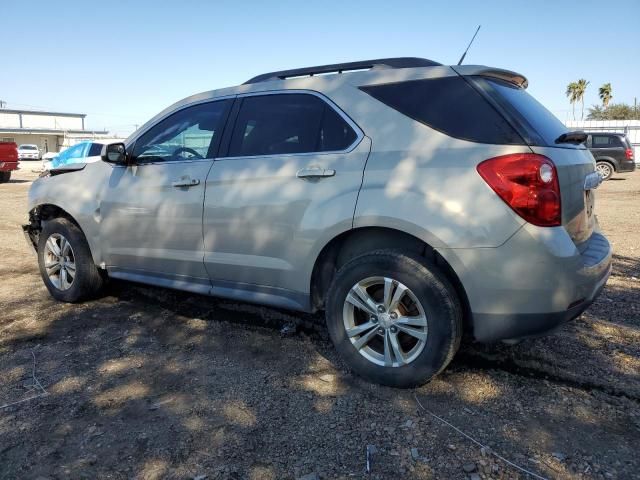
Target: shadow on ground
[(151, 383)]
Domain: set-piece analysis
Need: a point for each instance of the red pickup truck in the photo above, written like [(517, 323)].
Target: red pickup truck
[(8, 160)]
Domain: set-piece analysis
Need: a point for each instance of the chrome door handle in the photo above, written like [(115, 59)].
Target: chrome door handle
[(185, 182), (315, 172)]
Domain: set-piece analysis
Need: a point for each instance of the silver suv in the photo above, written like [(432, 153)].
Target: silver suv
[(413, 202)]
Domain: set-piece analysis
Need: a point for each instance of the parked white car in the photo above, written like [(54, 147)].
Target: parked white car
[(28, 152)]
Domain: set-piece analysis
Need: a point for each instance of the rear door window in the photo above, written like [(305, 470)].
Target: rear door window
[(450, 105), (289, 123), (607, 141)]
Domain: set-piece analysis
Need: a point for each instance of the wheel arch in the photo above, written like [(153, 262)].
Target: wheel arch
[(47, 211), (355, 242), (610, 160)]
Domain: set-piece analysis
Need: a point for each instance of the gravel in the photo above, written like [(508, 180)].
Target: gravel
[(149, 383)]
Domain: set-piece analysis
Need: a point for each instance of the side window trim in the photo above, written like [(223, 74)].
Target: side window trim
[(214, 148), (235, 110)]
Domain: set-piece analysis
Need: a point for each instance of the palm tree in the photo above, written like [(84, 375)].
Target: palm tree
[(605, 94), (581, 88), (572, 88)]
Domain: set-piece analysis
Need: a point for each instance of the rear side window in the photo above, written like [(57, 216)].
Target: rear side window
[(539, 124), (288, 124), (606, 141), (449, 105)]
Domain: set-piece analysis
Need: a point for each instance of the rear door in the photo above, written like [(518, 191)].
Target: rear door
[(291, 174), (609, 146)]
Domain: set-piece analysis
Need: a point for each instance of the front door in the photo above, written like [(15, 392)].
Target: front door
[(291, 175), (151, 213)]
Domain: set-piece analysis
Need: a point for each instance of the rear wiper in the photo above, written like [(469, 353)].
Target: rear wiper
[(577, 137)]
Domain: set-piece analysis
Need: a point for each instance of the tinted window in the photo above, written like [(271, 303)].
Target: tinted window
[(449, 105), (95, 150), (540, 124), (606, 141), (76, 151), (191, 133), (288, 123)]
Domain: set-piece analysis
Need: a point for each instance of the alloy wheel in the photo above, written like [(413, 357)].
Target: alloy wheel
[(604, 169), (59, 261), (385, 322)]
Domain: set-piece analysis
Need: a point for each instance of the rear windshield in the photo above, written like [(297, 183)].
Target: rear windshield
[(540, 126), (450, 105)]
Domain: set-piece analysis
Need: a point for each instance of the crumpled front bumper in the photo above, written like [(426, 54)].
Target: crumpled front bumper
[(31, 235)]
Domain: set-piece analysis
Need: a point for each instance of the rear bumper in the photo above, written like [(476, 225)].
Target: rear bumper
[(624, 167), (493, 327), (8, 166), (534, 282)]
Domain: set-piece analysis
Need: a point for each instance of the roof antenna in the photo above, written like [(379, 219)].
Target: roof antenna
[(465, 52)]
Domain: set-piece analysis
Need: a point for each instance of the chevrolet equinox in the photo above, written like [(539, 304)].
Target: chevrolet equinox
[(411, 201)]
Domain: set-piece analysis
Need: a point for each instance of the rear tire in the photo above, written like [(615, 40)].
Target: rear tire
[(5, 177), (400, 343), (65, 262), (605, 169)]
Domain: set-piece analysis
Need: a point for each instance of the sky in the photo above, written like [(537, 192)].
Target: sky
[(122, 62)]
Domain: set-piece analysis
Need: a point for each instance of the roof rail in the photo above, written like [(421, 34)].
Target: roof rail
[(399, 62)]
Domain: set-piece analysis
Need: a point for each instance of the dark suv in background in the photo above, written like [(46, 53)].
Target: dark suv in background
[(613, 153)]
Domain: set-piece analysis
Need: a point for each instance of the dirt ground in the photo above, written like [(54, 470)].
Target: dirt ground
[(150, 383)]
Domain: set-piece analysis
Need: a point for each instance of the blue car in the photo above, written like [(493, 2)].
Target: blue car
[(83, 152)]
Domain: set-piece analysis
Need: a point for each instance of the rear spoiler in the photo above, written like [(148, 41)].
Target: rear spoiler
[(480, 70)]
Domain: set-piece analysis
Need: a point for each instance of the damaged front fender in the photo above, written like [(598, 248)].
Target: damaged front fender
[(32, 230)]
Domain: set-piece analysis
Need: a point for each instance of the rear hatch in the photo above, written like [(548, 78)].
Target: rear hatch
[(540, 130)]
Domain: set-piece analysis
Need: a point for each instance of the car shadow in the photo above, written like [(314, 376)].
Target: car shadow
[(152, 383)]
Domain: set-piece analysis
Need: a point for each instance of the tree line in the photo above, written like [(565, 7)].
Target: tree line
[(607, 111)]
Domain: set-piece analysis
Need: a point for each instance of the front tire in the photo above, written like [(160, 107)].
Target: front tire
[(394, 318), (5, 177), (65, 262), (605, 169)]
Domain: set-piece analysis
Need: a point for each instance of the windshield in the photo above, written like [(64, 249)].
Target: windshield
[(74, 154), (538, 122), (27, 147)]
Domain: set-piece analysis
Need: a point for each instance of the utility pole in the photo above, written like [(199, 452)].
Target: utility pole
[(3, 104)]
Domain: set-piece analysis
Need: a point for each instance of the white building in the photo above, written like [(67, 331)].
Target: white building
[(50, 131)]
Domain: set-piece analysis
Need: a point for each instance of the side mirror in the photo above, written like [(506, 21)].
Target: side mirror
[(114, 153)]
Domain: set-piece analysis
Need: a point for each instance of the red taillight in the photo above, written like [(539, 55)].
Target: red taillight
[(629, 153), (528, 183)]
